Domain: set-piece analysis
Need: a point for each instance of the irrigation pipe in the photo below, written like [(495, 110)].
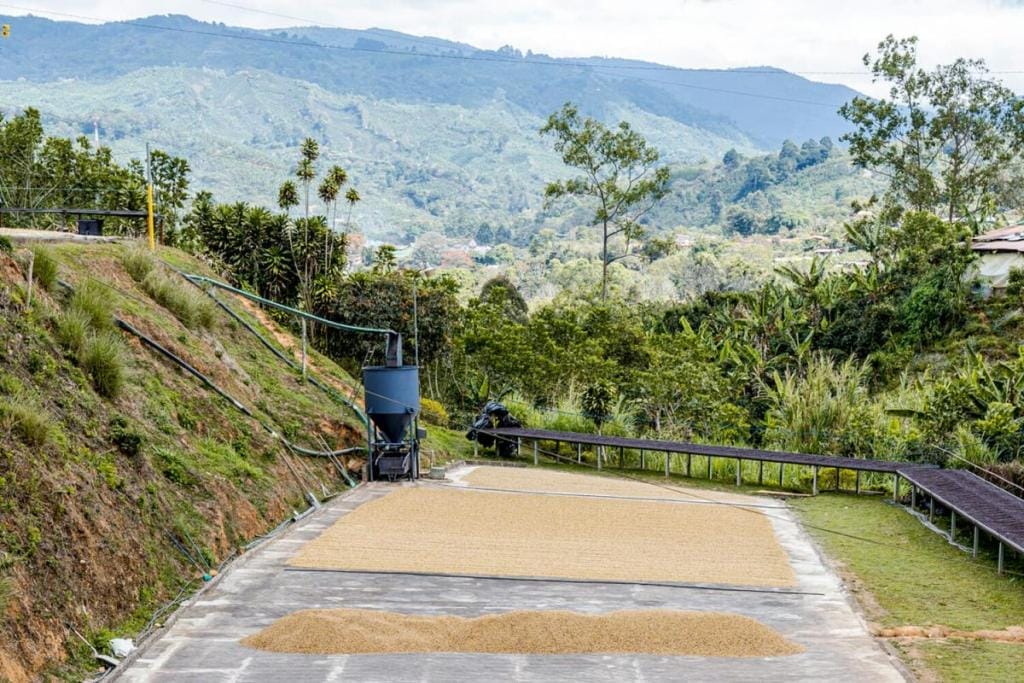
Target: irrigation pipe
[(329, 390), (170, 355), (281, 307)]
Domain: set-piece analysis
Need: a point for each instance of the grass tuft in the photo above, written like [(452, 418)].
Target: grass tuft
[(23, 417), (93, 301), (72, 330), (139, 263), (44, 267), (184, 301), (103, 360)]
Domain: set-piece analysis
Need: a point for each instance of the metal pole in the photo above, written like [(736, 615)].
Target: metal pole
[(149, 201), (598, 449), (739, 472), (952, 525), (913, 497), (622, 456), (535, 459), (858, 481), (668, 462), (1000, 563), (931, 509), (760, 472), (837, 479), (31, 265), (782, 471), (814, 481), (709, 467), (303, 348), (689, 463), (895, 487), (519, 446), (416, 323), (974, 553), (643, 461), (579, 453)]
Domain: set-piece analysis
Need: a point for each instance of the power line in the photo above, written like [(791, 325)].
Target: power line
[(593, 68)]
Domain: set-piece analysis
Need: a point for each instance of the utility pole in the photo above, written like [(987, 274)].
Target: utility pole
[(149, 200)]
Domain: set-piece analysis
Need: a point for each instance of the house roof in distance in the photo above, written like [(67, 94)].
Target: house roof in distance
[(1008, 239)]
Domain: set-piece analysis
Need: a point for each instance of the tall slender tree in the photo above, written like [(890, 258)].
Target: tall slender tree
[(619, 172)]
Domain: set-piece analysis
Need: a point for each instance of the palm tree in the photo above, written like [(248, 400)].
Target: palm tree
[(328, 193), (306, 172), (288, 196), (352, 196)]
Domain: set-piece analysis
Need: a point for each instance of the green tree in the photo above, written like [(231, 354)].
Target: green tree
[(945, 138), (619, 172), (731, 160)]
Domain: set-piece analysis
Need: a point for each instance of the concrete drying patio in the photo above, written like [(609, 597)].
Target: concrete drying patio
[(202, 644)]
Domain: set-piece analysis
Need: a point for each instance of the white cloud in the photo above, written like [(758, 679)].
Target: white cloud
[(805, 36)]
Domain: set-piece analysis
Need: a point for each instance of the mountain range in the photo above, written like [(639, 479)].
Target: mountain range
[(436, 135)]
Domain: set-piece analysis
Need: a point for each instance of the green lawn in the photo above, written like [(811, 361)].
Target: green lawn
[(914, 577)]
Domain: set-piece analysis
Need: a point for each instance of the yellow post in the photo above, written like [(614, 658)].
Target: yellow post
[(149, 216)]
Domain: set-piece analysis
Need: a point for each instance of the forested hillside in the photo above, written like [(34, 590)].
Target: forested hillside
[(442, 136)]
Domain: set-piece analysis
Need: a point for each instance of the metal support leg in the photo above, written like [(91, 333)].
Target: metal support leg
[(895, 487), (913, 497), (709, 467), (600, 450), (536, 460), (689, 462), (999, 564), (760, 472), (643, 460), (814, 481), (739, 472), (519, 446), (622, 456), (782, 473), (579, 454), (952, 526), (668, 462), (931, 509), (837, 479), (974, 553), (857, 484)]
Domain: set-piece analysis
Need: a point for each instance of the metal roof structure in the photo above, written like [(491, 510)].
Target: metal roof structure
[(654, 445), (995, 510)]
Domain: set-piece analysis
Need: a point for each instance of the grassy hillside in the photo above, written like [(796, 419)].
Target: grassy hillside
[(111, 455)]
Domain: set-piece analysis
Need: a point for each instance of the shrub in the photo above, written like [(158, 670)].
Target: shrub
[(6, 247), (128, 440), (103, 361), (139, 263), (433, 412), (72, 329), (23, 417), (184, 301), (93, 301), (44, 267)]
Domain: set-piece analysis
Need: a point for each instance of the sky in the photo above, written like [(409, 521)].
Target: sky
[(817, 38)]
